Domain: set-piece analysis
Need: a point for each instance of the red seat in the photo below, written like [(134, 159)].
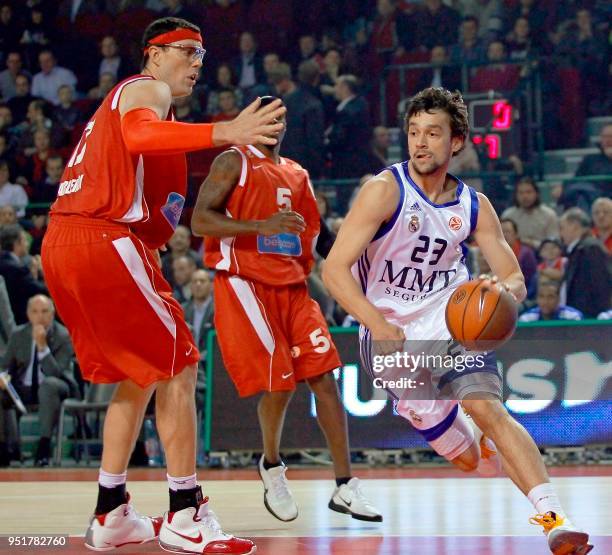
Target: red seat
[(130, 24), (94, 26)]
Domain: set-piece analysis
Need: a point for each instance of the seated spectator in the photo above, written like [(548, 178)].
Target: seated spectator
[(183, 268), (225, 80), (437, 23), (36, 35), (7, 325), (199, 312), (187, 110), (599, 164), (588, 275), (66, 113), (470, 47), (271, 62), (549, 306), (10, 193), (8, 215), (390, 31), (20, 103), (440, 75), (21, 282), (490, 16), (350, 132), (519, 41), (324, 207), (524, 253), (112, 62), (50, 77), (535, 220), (601, 211), (37, 119), (39, 360), (178, 245), (498, 76), (6, 152), (303, 140), (531, 11), (45, 190), (177, 8), (228, 107), (307, 51), (553, 263), (35, 160), (333, 64), (378, 152), (106, 82), (248, 66), (14, 66)]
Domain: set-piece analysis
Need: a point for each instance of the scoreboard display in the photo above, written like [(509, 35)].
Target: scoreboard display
[(493, 125)]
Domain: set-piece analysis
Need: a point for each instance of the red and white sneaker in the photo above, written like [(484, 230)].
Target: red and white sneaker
[(122, 526), (194, 530)]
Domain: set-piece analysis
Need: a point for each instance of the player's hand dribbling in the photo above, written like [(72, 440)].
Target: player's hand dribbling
[(387, 338), (285, 221), (253, 125), (493, 281)]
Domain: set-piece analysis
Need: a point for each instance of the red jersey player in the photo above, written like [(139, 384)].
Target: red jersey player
[(260, 217), (120, 198)]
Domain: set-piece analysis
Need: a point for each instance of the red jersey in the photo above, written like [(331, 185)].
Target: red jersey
[(104, 180), (264, 188)]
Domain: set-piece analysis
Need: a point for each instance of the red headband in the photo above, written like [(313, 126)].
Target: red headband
[(173, 36)]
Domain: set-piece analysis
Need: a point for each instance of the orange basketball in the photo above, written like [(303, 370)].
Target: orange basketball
[(481, 316)]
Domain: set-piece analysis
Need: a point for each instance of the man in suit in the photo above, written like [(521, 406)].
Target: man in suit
[(588, 275), (199, 314), (21, 282), (7, 320), (248, 66), (350, 132), (39, 362)]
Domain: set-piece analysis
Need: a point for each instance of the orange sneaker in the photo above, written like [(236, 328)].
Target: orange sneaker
[(563, 537)]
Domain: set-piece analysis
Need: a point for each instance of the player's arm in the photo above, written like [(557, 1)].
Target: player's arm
[(497, 252), (209, 216), (144, 105), (374, 205)]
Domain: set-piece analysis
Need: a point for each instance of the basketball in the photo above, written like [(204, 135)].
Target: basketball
[(481, 315)]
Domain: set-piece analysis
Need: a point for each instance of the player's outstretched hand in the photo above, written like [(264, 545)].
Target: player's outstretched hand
[(254, 124), (285, 221), (387, 338)]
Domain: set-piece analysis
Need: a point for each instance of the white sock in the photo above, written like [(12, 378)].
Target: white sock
[(544, 499), (176, 483), (108, 480)]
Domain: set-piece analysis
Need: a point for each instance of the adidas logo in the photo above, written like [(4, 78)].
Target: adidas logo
[(415, 207)]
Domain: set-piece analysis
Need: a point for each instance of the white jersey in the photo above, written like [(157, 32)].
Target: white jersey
[(417, 259)]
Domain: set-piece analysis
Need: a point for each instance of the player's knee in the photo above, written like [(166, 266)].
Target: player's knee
[(323, 385), (487, 413)]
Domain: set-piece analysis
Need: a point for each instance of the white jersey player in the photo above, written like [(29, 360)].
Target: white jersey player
[(398, 257)]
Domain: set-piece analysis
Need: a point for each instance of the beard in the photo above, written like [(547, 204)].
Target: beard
[(426, 168)]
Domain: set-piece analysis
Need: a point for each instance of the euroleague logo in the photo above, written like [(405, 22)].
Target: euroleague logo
[(455, 223), (459, 296)]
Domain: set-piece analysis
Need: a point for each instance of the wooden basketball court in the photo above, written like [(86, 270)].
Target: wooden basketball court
[(426, 511)]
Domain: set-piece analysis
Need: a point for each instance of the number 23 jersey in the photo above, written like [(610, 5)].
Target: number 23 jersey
[(264, 188), (418, 257)]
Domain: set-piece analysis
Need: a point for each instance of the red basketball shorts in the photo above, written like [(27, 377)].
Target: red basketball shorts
[(270, 337), (111, 294)]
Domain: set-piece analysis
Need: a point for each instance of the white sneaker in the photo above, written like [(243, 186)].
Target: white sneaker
[(563, 537), (349, 499), (194, 530), (121, 526), (277, 497)]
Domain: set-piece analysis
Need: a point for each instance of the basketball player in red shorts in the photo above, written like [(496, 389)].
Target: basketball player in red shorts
[(119, 200), (260, 217)]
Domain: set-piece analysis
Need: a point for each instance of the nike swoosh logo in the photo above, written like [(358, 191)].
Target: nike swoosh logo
[(189, 351), (257, 167), (285, 376), (197, 539)]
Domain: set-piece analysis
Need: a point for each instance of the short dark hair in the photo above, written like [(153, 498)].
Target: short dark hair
[(350, 81), (9, 235), (508, 220), (530, 181), (471, 18), (439, 98), (161, 26)]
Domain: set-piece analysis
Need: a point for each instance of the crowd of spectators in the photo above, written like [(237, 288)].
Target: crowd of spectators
[(58, 60)]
